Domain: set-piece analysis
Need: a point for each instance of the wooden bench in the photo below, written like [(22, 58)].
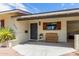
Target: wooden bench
[(51, 37)]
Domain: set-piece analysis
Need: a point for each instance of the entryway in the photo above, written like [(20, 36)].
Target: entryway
[(72, 29), (33, 31)]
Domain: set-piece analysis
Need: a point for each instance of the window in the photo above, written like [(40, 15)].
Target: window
[(2, 23), (52, 26)]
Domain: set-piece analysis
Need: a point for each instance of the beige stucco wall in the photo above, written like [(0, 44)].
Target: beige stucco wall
[(7, 19), (62, 34), (59, 32), (19, 27), (25, 25), (20, 31)]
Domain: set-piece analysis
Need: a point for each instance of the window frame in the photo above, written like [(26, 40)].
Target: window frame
[(56, 25)]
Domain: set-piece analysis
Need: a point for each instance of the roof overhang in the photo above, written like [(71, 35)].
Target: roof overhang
[(14, 11), (67, 13)]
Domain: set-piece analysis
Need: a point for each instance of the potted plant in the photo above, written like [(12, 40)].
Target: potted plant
[(6, 35)]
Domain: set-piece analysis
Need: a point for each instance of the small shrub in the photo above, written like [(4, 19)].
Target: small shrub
[(6, 34)]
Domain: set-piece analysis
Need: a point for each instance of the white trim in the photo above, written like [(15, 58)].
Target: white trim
[(11, 11)]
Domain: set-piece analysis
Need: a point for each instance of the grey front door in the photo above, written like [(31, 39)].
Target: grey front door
[(33, 31)]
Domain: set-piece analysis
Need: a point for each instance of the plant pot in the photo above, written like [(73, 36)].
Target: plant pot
[(6, 44), (10, 44)]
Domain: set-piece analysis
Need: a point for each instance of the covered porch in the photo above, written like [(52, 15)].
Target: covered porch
[(44, 28)]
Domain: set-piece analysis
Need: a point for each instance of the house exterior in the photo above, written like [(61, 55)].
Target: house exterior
[(56, 26), (6, 18)]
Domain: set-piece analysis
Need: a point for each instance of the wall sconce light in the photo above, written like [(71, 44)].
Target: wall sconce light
[(39, 23)]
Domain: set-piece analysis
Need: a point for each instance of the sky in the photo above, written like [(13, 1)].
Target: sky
[(38, 7)]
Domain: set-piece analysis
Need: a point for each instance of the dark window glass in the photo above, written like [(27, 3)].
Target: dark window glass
[(2, 23), (52, 26)]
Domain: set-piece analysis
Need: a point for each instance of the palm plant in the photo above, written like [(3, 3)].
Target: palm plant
[(6, 34)]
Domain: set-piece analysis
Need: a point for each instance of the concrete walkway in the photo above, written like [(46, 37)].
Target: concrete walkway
[(55, 49), (8, 52)]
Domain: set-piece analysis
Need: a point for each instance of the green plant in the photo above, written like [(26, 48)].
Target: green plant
[(6, 34)]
